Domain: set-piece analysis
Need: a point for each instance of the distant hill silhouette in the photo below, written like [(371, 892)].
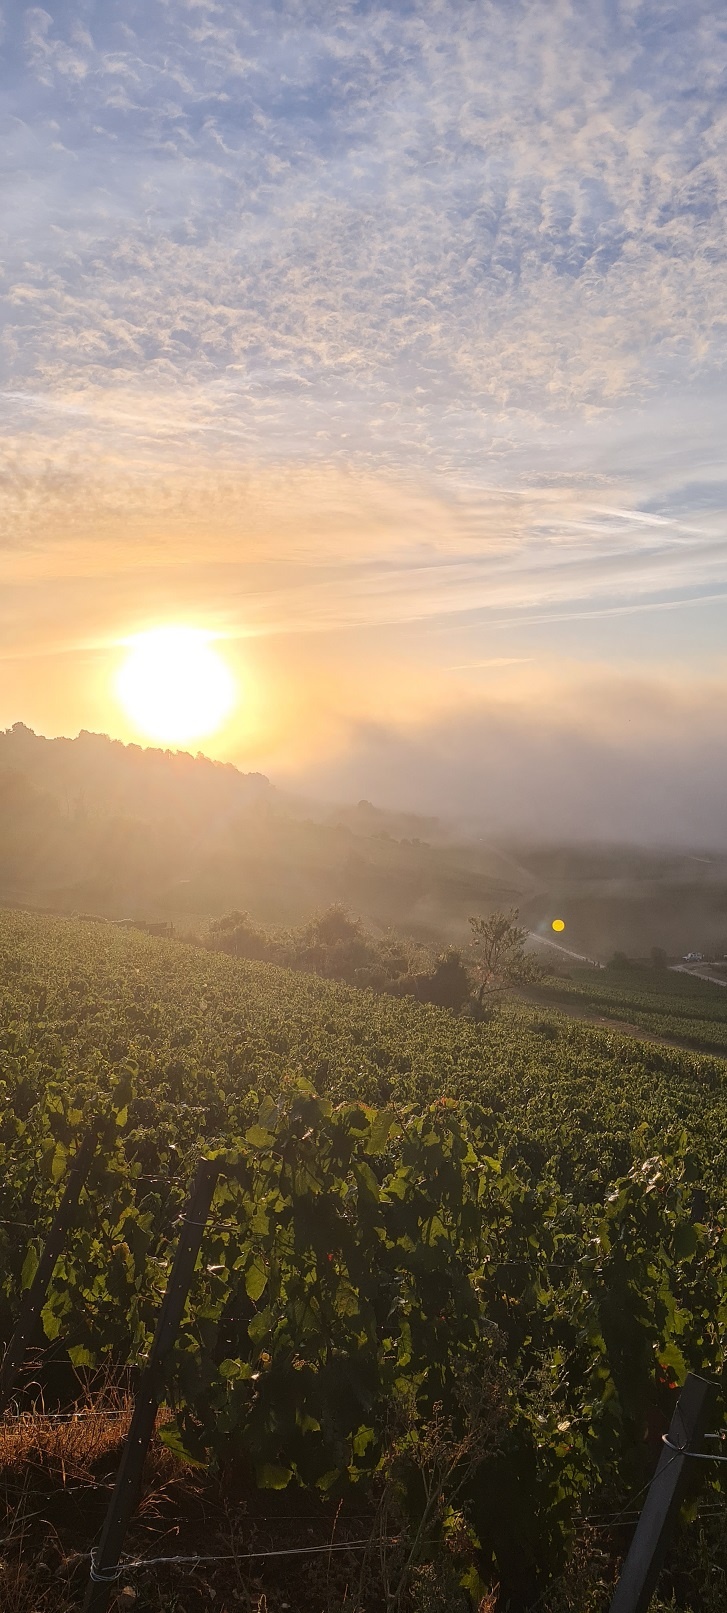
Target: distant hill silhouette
[(96, 775), (92, 825), (89, 825)]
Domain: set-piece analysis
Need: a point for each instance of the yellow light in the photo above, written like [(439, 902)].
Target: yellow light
[(175, 686), (558, 924)]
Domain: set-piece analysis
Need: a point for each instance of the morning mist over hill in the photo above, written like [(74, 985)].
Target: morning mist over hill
[(131, 833), (619, 760)]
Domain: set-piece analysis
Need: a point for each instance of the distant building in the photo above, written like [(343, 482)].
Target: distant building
[(693, 957)]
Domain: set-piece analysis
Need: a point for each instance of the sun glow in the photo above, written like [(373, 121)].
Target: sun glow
[(175, 686)]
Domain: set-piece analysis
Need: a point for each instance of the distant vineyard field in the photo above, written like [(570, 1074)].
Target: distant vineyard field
[(662, 1002), (205, 1033), (411, 1207)]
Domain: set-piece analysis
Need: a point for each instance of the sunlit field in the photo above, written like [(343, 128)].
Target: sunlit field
[(547, 1169)]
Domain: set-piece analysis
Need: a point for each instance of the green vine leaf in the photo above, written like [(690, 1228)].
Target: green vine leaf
[(270, 1476), (256, 1279)]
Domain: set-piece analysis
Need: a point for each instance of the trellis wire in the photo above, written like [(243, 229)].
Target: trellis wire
[(699, 1456), (107, 1576)]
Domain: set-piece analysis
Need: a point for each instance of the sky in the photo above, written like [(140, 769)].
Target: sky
[(385, 345)]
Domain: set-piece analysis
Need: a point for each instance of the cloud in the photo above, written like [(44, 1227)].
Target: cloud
[(404, 239), (295, 547), (494, 660), (607, 758), (513, 206), (369, 322)]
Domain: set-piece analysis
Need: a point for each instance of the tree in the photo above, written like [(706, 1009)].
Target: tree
[(448, 984), (238, 933), (658, 958), (499, 956), (335, 924)]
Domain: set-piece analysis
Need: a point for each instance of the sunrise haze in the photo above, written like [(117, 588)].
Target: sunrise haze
[(382, 348)]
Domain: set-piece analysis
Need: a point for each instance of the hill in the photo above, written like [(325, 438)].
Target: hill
[(630, 898), (665, 1004), (92, 825)]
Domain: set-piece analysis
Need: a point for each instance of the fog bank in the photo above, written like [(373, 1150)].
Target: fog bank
[(639, 763)]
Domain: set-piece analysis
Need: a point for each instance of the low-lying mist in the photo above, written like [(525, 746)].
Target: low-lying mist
[(618, 760), (93, 826)]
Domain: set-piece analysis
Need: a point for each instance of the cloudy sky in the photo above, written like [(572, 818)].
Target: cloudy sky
[(386, 342)]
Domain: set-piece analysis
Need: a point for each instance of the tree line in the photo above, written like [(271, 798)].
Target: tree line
[(467, 980)]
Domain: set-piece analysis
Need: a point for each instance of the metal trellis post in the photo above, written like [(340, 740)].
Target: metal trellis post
[(129, 1476), (688, 1426)]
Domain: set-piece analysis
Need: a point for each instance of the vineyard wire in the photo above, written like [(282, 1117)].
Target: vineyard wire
[(638, 1493), (699, 1456), (110, 1575), (619, 1520)]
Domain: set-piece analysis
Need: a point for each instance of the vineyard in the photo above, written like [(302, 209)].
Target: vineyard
[(662, 1002), (452, 1276)]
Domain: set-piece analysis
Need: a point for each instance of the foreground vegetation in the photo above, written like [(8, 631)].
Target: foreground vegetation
[(454, 1271)]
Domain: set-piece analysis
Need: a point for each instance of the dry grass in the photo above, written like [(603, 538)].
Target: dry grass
[(56, 1476), (71, 1450), (43, 1459)]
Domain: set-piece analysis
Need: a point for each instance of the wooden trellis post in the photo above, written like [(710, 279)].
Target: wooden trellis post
[(129, 1476)]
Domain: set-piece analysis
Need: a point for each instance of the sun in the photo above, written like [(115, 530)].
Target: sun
[(174, 685)]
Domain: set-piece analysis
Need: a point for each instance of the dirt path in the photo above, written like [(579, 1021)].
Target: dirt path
[(547, 941), (684, 969)]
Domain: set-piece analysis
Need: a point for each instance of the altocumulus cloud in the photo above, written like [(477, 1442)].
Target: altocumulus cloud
[(479, 206)]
